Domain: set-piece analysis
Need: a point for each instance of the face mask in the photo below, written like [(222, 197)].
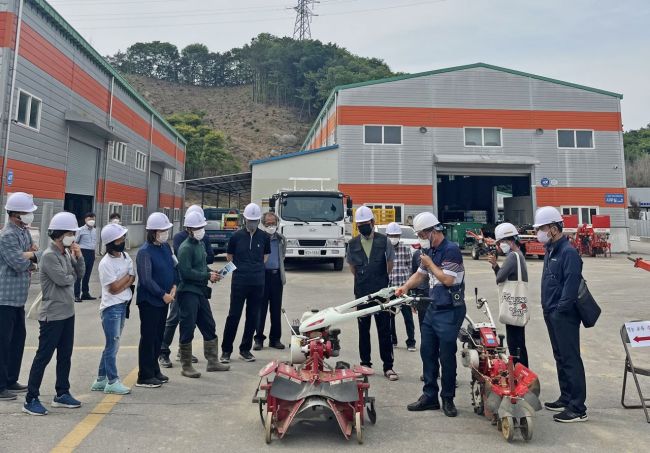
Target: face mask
[(365, 229), (424, 243), (116, 247), (68, 241), (251, 225), (394, 241), (116, 221), (199, 234), (27, 219), (271, 229), (505, 247), (90, 223), (163, 237), (543, 237)]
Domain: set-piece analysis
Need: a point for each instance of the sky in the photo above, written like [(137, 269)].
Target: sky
[(598, 43)]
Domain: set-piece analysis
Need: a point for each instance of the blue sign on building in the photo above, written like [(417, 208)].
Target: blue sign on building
[(10, 177), (545, 182), (614, 198)]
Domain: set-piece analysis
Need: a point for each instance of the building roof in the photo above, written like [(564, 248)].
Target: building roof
[(50, 13), (452, 69), (296, 154), (234, 184)]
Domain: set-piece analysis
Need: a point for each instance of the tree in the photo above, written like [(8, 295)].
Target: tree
[(637, 157), (154, 59)]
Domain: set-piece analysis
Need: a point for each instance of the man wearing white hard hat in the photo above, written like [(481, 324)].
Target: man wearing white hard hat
[(18, 255), (400, 274), (172, 320), (116, 276), (194, 298), (371, 257), (61, 264), (513, 289), (443, 262), (248, 249), (560, 283)]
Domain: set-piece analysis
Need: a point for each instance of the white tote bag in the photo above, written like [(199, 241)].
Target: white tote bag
[(513, 300), (35, 308)]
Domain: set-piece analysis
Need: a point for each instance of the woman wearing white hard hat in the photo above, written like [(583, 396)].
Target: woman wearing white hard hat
[(194, 298), (18, 255), (512, 280), (116, 275), (61, 264), (155, 263)]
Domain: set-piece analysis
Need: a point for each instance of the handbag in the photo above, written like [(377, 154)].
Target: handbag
[(35, 308), (587, 307), (513, 300)]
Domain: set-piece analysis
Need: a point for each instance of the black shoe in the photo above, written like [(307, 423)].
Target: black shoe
[(87, 297), (162, 378), (277, 345), (78, 300), (164, 361), (568, 416), (149, 383), (258, 346), (225, 357), (424, 404), (556, 406), (448, 407), (6, 395), (246, 356), (17, 388)]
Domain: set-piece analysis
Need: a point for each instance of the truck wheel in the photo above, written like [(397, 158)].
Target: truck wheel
[(338, 264)]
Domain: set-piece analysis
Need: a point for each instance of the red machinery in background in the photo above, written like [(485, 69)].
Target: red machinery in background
[(641, 263), (593, 240)]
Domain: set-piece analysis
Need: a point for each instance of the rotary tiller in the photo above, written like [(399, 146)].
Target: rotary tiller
[(504, 392)]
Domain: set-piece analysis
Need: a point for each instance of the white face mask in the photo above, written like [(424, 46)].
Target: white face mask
[(67, 241), (116, 221), (90, 223), (394, 241), (505, 247), (424, 243), (199, 234), (543, 237), (163, 236), (27, 219), (271, 229)]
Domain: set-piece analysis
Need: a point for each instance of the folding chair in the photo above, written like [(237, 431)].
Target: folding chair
[(630, 368)]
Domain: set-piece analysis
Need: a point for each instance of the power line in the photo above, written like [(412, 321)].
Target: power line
[(304, 12)]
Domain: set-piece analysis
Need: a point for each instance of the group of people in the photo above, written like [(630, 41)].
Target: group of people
[(174, 289)]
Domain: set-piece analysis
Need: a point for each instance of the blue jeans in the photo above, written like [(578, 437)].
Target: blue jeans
[(113, 318)]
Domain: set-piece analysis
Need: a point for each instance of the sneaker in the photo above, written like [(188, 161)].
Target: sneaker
[(150, 383), (411, 349), (34, 407), (568, 416), (556, 406), (67, 401), (164, 361), (87, 297), (277, 345), (78, 300), (246, 356), (17, 388), (391, 375), (424, 404), (258, 346), (225, 357), (117, 388), (99, 385), (162, 378), (6, 395)]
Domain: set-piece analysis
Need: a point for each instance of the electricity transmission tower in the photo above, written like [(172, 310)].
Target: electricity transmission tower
[(304, 12)]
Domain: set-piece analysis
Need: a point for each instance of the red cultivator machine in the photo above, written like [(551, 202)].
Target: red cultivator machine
[(504, 392), (589, 240), (482, 245), (287, 389)]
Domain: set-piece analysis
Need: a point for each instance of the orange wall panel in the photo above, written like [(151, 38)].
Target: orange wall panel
[(389, 193), (121, 193), (578, 196), (7, 29), (40, 181)]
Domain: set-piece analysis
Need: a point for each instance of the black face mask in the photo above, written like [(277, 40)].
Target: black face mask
[(115, 247), (365, 229)]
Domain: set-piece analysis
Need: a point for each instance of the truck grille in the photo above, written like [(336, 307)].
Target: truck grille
[(312, 243)]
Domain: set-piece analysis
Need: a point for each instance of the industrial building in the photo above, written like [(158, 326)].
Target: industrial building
[(455, 140), (74, 132)]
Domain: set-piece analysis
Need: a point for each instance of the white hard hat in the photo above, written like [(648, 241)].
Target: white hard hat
[(63, 221), (194, 220), (195, 208), (20, 202), (547, 215), (158, 221), (111, 232), (363, 214), (505, 230), (425, 220), (393, 228), (252, 212)]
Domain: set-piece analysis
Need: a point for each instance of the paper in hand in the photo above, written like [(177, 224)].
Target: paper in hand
[(227, 269)]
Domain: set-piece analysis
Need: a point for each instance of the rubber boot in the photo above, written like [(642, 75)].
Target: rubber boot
[(211, 351), (187, 369)]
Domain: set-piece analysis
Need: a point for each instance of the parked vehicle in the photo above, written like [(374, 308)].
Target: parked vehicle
[(222, 224)]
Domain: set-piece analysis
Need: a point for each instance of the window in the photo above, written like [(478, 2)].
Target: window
[(29, 110), (575, 139), (117, 151), (167, 212), (169, 174), (478, 136), (386, 135), (114, 207), (399, 209), (177, 214), (137, 213), (140, 161), (584, 213)]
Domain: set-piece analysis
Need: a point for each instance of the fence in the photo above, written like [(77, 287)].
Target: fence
[(639, 227)]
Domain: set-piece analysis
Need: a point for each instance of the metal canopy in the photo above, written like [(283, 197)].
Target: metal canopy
[(234, 184), (81, 120)]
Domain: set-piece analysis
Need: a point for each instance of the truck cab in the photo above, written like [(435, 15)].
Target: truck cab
[(222, 224), (313, 221)]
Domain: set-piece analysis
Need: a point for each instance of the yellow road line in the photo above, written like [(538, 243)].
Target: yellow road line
[(86, 426)]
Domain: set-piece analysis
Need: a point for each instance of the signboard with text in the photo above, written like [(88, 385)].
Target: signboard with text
[(639, 333), (614, 198)]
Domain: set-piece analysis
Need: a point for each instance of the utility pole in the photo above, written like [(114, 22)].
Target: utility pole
[(304, 12)]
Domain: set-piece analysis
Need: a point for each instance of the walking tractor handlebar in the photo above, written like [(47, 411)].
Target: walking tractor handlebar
[(640, 263)]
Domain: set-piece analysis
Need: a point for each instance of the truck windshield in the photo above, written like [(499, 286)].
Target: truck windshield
[(312, 209)]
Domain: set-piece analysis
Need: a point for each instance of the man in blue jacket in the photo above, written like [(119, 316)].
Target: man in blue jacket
[(560, 283)]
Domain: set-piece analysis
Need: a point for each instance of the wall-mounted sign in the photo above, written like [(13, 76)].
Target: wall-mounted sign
[(545, 182), (10, 177), (614, 198)]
